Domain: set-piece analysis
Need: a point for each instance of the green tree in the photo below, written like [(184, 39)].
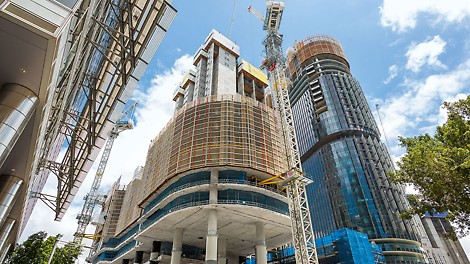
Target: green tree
[(439, 168), (67, 254), (38, 248)]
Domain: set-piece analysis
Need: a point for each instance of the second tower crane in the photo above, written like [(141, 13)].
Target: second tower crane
[(92, 198)]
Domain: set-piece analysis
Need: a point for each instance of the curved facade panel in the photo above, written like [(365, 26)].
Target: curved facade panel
[(344, 111), (10, 186), (314, 46), (228, 130)]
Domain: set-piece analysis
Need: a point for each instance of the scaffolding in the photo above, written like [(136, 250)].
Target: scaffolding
[(130, 211), (111, 44), (108, 218), (318, 44), (311, 47), (222, 130)]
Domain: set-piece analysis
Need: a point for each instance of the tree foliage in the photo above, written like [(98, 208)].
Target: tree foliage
[(38, 248), (439, 168), (67, 254)]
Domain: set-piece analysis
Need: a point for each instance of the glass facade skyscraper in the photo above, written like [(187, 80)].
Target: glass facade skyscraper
[(341, 152)]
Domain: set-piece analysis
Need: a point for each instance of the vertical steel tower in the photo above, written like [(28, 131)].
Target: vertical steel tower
[(92, 198), (302, 233)]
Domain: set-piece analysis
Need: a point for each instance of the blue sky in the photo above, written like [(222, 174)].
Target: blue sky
[(408, 55), (377, 38)]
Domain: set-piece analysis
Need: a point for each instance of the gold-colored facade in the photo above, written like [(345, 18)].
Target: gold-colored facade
[(257, 74), (216, 131), (313, 46)]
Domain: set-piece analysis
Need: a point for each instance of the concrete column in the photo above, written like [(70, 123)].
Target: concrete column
[(190, 93), (222, 248), (17, 105), (241, 84), (179, 102), (139, 255), (156, 247), (214, 176), (261, 252), (263, 100), (213, 191), (177, 246), (253, 95), (211, 240)]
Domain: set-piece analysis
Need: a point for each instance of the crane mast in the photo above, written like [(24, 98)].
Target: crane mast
[(92, 199), (293, 180)]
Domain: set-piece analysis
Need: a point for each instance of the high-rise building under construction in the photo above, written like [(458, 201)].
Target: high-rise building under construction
[(199, 197), (342, 153)]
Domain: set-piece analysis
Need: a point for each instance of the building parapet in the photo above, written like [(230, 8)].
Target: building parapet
[(177, 93), (246, 67), (221, 40), (200, 53), (187, 78)]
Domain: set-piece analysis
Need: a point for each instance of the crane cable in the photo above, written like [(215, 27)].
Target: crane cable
[(232, 20)]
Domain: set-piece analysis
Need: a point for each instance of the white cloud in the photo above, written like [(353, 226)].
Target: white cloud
[(442, 117), (401, 15), (156, 107), (419, 105), (392, 73), (425, 53)]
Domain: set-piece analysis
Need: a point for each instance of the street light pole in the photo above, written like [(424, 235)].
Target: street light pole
[(53, 249)]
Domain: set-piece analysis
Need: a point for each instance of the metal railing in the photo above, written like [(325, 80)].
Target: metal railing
[(255, 204), (263, 186)]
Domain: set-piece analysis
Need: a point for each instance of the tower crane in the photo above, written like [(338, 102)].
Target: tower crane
[(125, 122), (293, 180)]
